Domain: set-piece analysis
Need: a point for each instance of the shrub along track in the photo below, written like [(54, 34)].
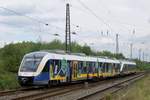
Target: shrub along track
[(75, 91)]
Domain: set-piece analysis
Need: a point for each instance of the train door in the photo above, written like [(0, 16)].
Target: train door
[(69, 72), (100, 65), (74, 70), (113, 68)]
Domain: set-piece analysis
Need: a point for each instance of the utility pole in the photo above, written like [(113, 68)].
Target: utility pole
[(143, 56), (131, 47), (146, 55), (39, 39), (68, 35), (139, 54), (117, 44)]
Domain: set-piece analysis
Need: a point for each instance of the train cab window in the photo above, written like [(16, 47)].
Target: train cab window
[(30, 63)]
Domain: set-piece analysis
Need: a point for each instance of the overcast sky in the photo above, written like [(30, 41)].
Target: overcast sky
[(115, 16)]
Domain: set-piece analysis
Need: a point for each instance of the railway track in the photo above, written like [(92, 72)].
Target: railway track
[(96, 89), (55, 91), (73, 92), (101, 94), (51, 92), (47, 94), (37, 93), (10, 92)]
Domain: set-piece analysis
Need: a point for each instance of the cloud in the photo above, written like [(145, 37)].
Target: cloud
[(121, 15)]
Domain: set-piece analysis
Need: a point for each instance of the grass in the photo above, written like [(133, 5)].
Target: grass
[(8, 80), (137, 91)]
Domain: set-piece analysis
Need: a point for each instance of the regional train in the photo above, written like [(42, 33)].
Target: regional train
[(47, 68)]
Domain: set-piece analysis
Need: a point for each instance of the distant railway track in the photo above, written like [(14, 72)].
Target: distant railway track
[(75, 91), (100, 94)]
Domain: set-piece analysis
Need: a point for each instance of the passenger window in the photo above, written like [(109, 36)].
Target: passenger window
[(103, 67), (84, 67), (80, 67), (56, 66)]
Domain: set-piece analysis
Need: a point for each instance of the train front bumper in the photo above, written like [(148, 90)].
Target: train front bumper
[(25, 81)]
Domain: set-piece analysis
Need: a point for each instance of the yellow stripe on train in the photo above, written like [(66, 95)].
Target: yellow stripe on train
[(58, 78), (84, 76)]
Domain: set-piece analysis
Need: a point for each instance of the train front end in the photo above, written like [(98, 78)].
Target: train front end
[(31, 68)]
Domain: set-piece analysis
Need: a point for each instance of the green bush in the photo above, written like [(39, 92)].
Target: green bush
[(8, 80)]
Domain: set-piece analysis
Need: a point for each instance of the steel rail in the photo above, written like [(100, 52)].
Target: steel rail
[(116, 87)]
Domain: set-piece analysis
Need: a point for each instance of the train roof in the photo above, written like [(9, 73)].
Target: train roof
[(72, 57), (127, 62), (66, 56), (81, 58)]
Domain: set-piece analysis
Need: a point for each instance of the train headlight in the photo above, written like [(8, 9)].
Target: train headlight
[(24, 80)]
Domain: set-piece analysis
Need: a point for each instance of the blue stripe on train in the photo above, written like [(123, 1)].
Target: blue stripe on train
[(42, 78)]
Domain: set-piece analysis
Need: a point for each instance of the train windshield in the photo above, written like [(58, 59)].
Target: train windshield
[(30, 63)]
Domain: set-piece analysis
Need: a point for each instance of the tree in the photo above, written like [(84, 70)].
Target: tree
[(119, 56), (87, 50), (11, 57)]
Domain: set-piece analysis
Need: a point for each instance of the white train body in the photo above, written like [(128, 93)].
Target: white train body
[(42, 68)]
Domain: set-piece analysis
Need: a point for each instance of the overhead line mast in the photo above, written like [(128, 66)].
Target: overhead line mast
[(131, 49), (68, 35), (117, 44)]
